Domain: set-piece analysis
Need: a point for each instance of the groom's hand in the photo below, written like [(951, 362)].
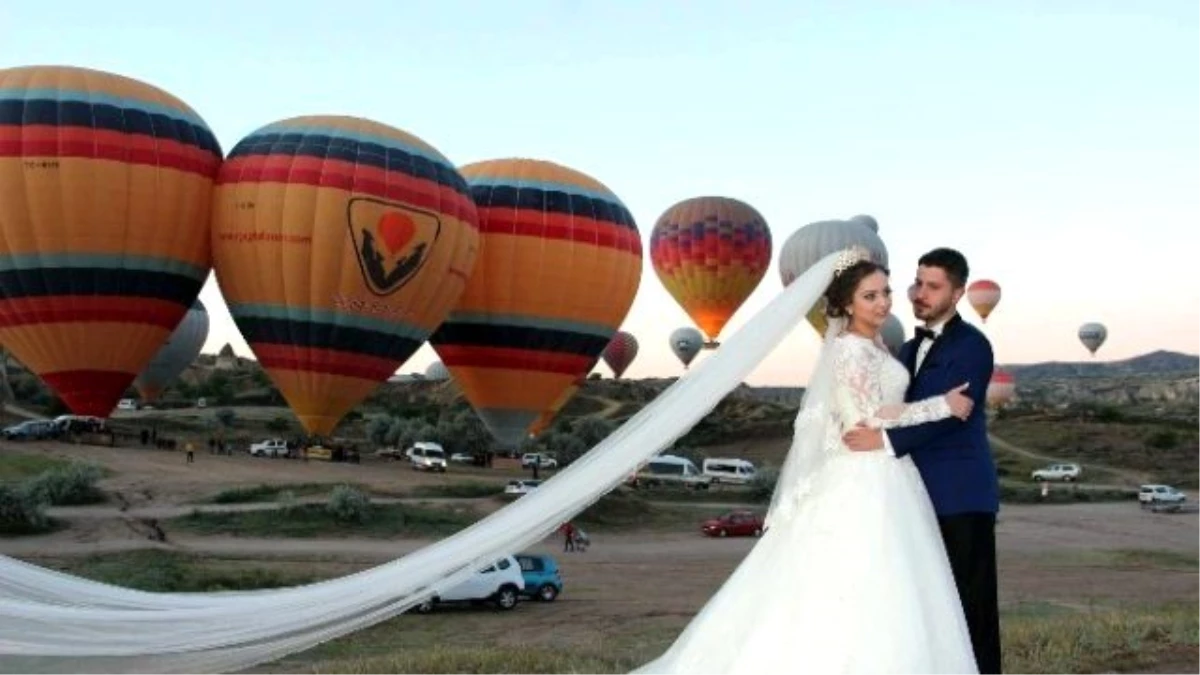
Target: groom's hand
[(863, 438)]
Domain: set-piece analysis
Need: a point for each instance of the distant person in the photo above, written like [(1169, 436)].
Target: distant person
[(191, 456)]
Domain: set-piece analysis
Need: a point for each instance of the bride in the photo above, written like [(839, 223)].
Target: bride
[(851, 574)]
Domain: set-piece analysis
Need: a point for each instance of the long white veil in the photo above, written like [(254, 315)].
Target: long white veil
[(808, 450), (53, 622)]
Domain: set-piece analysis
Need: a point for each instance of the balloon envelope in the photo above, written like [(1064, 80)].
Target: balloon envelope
[(710, 253), (816, 240), (180, 351), (105, 192), (560, 265), (892, 333), (983, 295), (1093, 335), (340, 244), (620, 352), (437, 372), (686, 343), (1001, 388)]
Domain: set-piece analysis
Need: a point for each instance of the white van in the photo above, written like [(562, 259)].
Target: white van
[(734, 471), (428, 456), (672, 469)]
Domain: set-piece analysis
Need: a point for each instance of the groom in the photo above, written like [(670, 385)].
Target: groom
[(953, 455)]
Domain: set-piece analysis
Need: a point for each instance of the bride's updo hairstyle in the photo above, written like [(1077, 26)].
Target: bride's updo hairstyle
[(840, 293)]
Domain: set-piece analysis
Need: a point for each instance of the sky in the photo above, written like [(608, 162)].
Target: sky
[(1054, 143)]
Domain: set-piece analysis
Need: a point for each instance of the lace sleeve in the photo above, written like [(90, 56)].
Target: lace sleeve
[(858, 368)]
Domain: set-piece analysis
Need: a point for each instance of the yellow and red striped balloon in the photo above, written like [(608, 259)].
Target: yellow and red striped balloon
[(105, 192), (710, 254), (339, 244), (560, 264)]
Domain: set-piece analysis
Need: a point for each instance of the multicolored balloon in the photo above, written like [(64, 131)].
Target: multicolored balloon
[(620, 352), (1093, 335), (1001, 388), (340, 244), (105, 192), (180, 351), (686, 343), (710, 253), (560, 266), (983, 295), (817, 240)]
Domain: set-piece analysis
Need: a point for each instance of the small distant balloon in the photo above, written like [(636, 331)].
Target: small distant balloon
[(1001, 388), (437, 372), (1093, 335), (686, 343), (622, 349), (983, 295)]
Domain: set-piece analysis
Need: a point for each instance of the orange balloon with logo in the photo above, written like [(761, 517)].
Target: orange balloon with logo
[(340, 244)]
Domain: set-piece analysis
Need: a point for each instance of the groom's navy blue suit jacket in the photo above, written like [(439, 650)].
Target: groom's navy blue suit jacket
[(953, 455)]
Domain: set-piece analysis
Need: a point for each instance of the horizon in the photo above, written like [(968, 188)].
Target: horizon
[(1056, 149)]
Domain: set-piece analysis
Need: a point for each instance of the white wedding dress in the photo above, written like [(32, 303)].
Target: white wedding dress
[(851, 575)]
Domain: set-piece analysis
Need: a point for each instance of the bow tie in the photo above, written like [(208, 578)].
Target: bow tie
[(926, 334)]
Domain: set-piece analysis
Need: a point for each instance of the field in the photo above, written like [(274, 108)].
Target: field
[(1085, 587)]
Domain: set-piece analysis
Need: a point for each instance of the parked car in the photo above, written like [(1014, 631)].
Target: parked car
[(671, 470), (274, 447), (500, 583), (127, 404), (542, 460), (521, 487), (735, 471), (462, 458), (1152, 495), (31, 430), (734, 524), (427, 457), (1063, 472), (542, 579)]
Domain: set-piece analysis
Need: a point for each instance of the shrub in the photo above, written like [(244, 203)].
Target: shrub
[(21, 512), (66, 486), (349, 504)]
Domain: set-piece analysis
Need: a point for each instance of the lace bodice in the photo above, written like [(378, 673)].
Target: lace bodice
[(870, 387)]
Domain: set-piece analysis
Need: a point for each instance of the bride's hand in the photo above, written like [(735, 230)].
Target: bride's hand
[(960, 404)]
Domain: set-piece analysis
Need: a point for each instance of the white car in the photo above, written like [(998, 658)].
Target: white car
[(275, 447), (501, 583), (1150, 495), (462, 458), (427, 457), (1063, 472), (521, 487), (542, 461)]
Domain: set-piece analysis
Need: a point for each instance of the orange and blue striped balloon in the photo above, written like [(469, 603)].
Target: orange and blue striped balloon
[(339, 244), (105, 193), (710, 253), (560, 265)]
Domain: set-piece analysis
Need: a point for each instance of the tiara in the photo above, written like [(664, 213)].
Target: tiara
[(850, 257)]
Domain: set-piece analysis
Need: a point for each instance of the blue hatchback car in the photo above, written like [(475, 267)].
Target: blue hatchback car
[(542, 580)]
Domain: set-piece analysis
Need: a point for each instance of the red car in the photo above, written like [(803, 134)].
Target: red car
[(734, 524)]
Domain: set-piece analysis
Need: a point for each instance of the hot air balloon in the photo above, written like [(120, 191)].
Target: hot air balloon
[(180, 351), (686, 343), (437, 372), (817, 240), (340, 244), (983, 295), (1001, 388), (1093, 335), (892, 333), (710, 253), (620, 352), (560, 265), (105, 191)]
